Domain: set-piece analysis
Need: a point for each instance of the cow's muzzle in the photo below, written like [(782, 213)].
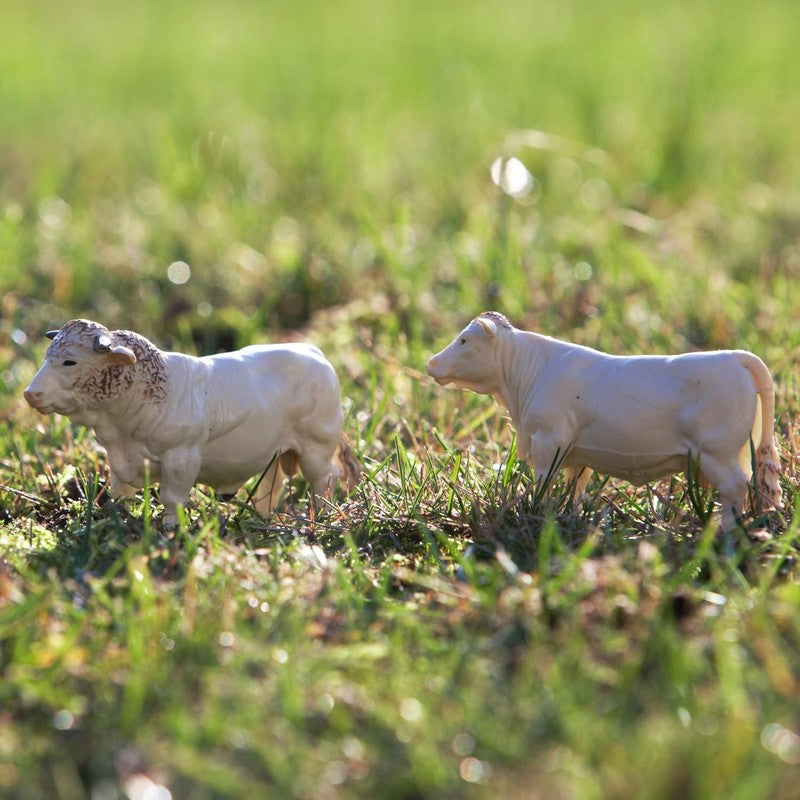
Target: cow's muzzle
[(434, 373)]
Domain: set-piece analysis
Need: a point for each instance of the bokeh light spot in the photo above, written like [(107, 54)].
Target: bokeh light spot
[(781, 741), (473, 770), (512, 177), (179, 272), (411, 709), (582, 270)]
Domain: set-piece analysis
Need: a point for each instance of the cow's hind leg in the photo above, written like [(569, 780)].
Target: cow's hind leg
[(319, 469), (581, 477), (731, 482)]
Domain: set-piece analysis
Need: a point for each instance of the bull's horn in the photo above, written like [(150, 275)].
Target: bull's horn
[(102, 342), (51, 334)]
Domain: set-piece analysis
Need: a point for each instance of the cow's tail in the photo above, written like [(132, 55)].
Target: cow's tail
[(351, 469), (767, 460)]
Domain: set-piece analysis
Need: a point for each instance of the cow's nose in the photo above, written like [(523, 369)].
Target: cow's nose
[(431, 363), (34, 399)]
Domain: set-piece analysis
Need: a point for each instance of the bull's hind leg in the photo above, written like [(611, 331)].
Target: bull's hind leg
[(269, 487), (731, 482)]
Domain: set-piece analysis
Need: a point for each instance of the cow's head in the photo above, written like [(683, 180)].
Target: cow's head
[(82, 369), (470, 361)]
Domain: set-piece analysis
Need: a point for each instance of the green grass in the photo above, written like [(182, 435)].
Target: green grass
[(447, 630)]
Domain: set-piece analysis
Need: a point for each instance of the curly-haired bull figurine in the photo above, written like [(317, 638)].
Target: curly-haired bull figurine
[(217, 420)]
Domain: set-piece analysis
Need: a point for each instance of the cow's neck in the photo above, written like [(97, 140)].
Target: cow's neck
[(523, 356)]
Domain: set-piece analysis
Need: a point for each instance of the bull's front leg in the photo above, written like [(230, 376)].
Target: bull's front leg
[(125, 468), (179, 471)]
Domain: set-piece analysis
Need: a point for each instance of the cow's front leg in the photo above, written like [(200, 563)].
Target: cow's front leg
[(547, 454), (179, 471), (524, 446)]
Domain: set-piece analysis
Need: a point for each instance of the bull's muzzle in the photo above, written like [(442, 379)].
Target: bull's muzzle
[(34, 399)]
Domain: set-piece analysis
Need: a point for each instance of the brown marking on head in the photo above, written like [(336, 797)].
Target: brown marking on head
[(150, 367), (81, 333)]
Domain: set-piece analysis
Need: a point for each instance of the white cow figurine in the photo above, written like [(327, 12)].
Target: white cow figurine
[(632, 417), (217, 420)]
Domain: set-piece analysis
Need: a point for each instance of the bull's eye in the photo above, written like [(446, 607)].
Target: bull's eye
[(68, 363)]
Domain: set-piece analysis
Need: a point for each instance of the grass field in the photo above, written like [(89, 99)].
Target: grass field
[(324, 170)]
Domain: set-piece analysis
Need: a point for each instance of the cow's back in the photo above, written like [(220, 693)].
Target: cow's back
[(653, 402)]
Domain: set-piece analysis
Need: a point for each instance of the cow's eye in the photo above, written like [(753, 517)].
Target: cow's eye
[(463, 340), (68, 363)]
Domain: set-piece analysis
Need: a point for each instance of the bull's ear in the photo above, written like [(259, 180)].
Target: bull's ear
[(489, 328), (118, 354), (51, 334), (121, 356)]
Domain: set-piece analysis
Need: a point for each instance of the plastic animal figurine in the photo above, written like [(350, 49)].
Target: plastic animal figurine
[(634, 417), (217, 420)]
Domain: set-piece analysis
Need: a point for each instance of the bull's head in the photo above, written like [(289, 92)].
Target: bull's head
[(73, 377)]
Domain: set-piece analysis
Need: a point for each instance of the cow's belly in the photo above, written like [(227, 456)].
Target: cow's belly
[(638, 468)]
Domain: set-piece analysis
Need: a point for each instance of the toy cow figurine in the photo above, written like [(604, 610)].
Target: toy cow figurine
[(633, 417), (217, 420)]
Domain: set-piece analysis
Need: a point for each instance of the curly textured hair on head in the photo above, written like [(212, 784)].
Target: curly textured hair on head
[(76, 332), (103, 382), (150, 366)]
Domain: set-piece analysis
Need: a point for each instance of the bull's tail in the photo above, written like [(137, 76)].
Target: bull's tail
[(350, 466), (767, 460)]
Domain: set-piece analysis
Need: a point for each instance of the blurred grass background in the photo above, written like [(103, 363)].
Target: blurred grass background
[(300, 156), (324, 171)]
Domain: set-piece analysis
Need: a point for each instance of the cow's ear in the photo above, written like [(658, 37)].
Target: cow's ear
[(489, 328), (120, 356)]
